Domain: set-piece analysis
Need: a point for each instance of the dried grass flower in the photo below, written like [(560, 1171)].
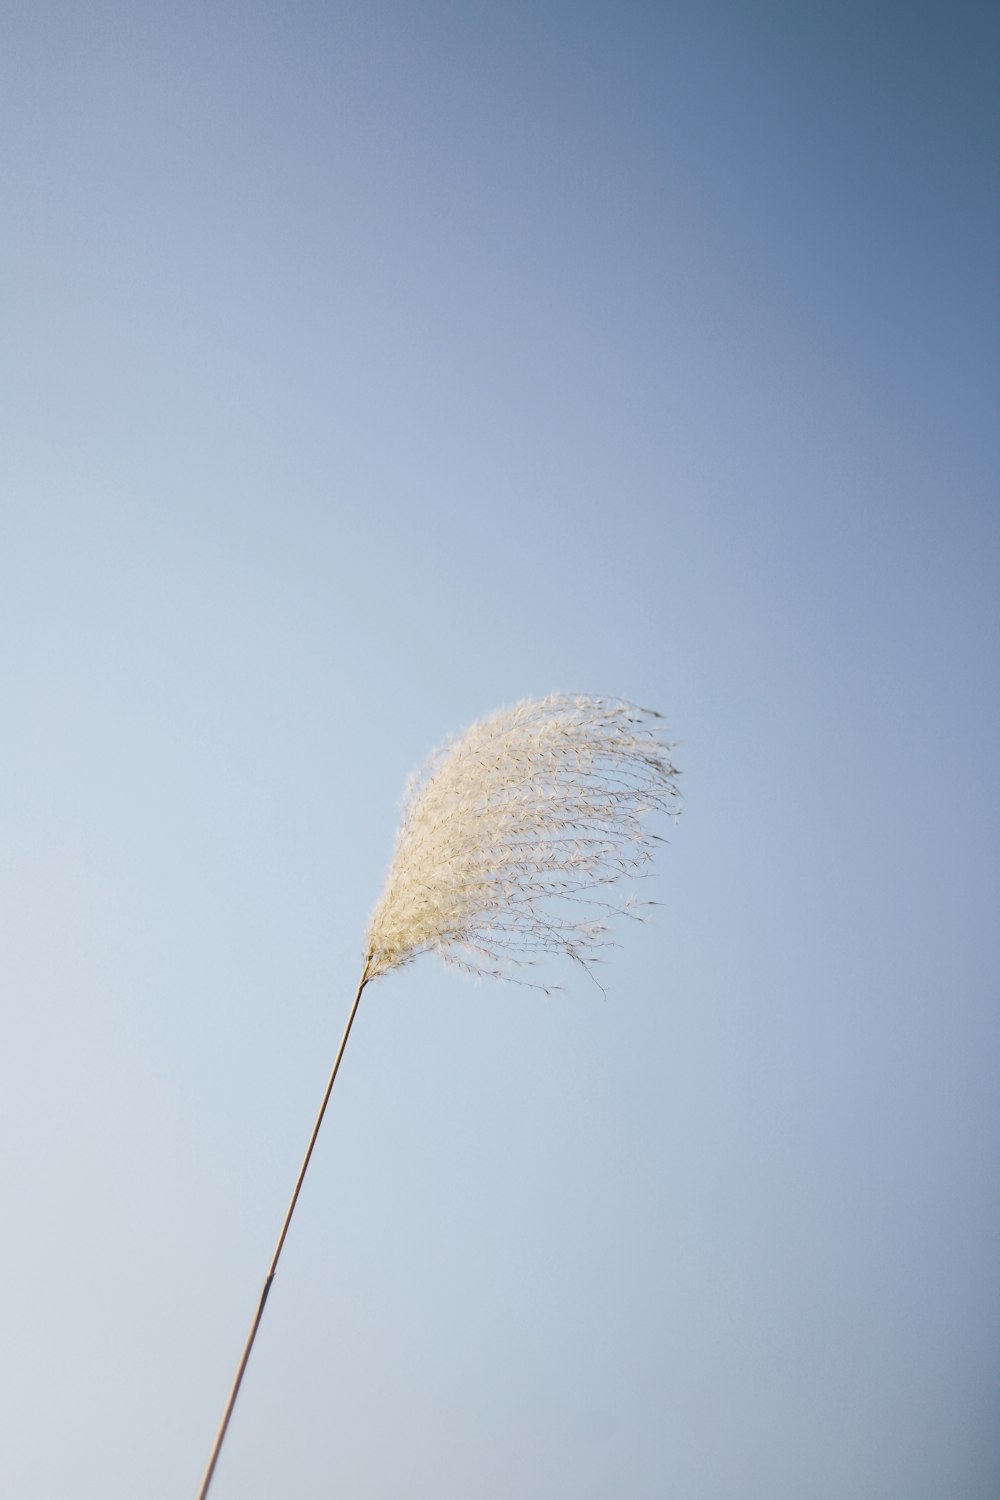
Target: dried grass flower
[(513, 832), (510, 838)]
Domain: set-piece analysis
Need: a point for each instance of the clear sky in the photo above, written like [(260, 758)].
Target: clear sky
[(369, 366)]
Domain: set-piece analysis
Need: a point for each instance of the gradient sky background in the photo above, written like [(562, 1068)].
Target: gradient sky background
[(368, 367)]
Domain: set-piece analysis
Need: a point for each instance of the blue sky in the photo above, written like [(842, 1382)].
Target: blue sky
[(368, 367)]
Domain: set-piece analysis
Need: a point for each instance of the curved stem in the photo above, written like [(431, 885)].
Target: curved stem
[(237, 1379)]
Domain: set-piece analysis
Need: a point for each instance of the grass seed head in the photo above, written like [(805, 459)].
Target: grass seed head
[(513, 833)]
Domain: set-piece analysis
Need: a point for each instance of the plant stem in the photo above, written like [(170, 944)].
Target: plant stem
[(234, 1391)]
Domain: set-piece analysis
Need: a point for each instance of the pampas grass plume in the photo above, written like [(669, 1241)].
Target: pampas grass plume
[(512, 833)]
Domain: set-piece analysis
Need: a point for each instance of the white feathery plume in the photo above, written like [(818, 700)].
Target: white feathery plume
[(510, 837), (512, 831)]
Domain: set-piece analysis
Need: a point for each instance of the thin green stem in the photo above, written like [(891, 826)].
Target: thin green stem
[(238, 1378)]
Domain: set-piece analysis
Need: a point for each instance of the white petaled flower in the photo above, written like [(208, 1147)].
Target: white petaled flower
[(512, 833)]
